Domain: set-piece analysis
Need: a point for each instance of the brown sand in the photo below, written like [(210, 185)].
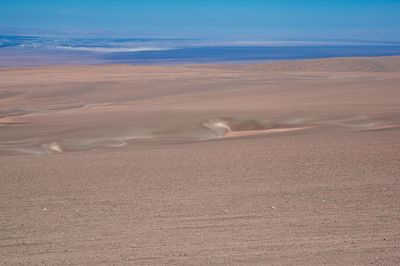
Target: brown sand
[(277, 164)]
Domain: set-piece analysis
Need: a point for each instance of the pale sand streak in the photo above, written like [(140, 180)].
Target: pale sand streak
[(258, 132)]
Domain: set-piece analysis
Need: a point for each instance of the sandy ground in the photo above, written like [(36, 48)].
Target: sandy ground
[(277, 164)]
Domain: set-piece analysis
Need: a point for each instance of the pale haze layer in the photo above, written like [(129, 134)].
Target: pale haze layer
[(295, 19)]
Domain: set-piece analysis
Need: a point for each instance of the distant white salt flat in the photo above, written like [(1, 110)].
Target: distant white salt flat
[(113, 49)]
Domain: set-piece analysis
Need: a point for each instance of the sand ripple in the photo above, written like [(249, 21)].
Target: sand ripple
[(211, 129)]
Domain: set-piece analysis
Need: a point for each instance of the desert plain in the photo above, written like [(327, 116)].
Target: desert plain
[(285, 163)]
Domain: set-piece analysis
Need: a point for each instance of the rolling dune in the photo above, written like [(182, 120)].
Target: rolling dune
[(292, 163)]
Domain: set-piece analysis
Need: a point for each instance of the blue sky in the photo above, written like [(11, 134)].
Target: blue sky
[(373, 19)]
